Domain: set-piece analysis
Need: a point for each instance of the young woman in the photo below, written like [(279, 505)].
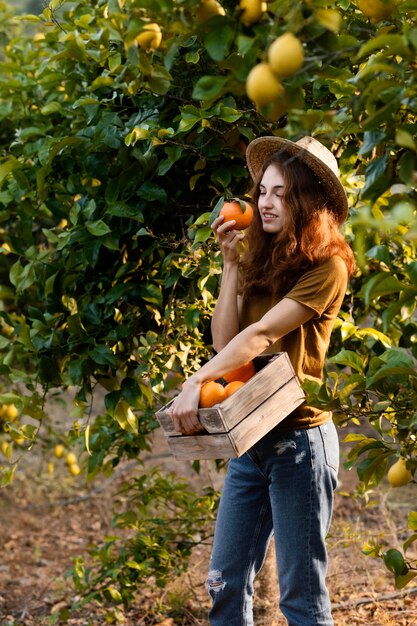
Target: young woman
[(283, 295)]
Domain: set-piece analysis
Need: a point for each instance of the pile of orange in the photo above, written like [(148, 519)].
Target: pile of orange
[(214, 392)]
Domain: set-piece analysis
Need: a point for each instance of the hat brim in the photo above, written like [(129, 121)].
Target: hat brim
[(262, 148)]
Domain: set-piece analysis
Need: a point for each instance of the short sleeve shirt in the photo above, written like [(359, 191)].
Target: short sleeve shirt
[(322, 289)]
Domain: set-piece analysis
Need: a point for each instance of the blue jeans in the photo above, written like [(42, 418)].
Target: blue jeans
[(283, 485)]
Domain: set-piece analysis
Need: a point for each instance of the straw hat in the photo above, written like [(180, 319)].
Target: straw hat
[(314, 154)]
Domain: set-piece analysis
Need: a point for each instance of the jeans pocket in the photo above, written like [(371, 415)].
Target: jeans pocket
[(330, 441)]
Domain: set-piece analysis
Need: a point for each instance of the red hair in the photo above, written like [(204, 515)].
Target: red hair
[(273, 262)]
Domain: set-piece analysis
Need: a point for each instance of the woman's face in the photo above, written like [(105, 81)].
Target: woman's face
[(270, 205)]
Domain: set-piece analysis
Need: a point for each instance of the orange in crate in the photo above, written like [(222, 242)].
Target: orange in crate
[(233, 386), (242, 373), (211, 393)]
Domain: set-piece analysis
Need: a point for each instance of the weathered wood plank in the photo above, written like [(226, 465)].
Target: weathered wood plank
[(202, 447), (268, 415), (245, 434), (256, 390), (222, 417)]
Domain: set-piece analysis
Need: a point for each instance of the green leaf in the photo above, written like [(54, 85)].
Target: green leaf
[(98, 228), (153, 192), (202, 234), (412, 539), (380, 253), (405, 139), (396, 44), (395, 562), (159, 80), (103, 356), (209, 87), (407, 166), (215, 212), (190, 116), (371, 139), (381, 284), (7, 474), (218, 41), (348, 359), (6, 167), (376, 179), (50, 108), (401, 580), (390, 370), (375, 334), (151, 293)]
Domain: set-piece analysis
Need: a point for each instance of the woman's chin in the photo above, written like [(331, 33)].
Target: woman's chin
[(270, 227)]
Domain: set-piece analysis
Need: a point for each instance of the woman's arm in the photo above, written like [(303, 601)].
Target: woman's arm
[(276, 323), (225, 320)]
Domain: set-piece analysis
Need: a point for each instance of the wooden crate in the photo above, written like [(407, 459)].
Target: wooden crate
[(237, 423)]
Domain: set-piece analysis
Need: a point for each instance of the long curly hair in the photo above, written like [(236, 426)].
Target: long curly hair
[(273, 262)]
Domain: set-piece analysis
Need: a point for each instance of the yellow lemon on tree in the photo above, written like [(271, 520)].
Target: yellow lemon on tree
[(286, 55), (59, 450), (262, 86), (376, 10), (398, 474), (11, 412), (150, 38), (74, 469), (207, 9), (71, 459), (252, 11)]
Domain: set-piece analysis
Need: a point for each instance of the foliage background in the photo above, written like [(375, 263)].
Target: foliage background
[(112, 158)]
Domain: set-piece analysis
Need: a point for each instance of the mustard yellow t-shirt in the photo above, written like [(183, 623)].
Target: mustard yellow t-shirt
[(321, 289)]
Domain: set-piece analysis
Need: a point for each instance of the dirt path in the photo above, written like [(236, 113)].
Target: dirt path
[(47, 520)]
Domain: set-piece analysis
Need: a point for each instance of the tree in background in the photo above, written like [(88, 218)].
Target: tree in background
[(123, 123)]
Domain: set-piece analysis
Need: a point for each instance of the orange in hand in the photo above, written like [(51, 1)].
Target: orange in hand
[(233, 211), (233, 386), (211, 393), (242, 373)]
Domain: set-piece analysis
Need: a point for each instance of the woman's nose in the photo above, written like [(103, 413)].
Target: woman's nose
[(265, 200)]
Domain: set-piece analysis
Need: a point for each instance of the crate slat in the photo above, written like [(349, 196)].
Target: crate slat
[(236, 424), (224, 416)]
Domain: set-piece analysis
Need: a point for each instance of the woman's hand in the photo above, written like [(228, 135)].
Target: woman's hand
[(184, 409), (228, 239)]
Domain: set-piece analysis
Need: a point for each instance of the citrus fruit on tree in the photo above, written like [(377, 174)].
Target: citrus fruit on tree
[(376, 10), (8, 412), (150, 38), (207, 9), (398, 474), (74, 469), (59, 450), (71, 458), (233, 210), (211, 393), (252, 11), (286, 55), (242, 373), (262, 86), (233, 386)]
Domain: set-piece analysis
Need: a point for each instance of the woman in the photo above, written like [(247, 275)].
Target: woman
[(283, 295)]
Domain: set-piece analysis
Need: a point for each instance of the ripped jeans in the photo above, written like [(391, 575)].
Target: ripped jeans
[(283, 486)]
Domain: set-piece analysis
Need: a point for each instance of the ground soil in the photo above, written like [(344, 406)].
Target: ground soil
[(46, 520)]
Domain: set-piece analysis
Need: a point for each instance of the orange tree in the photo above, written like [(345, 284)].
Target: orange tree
[(123, 122)]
